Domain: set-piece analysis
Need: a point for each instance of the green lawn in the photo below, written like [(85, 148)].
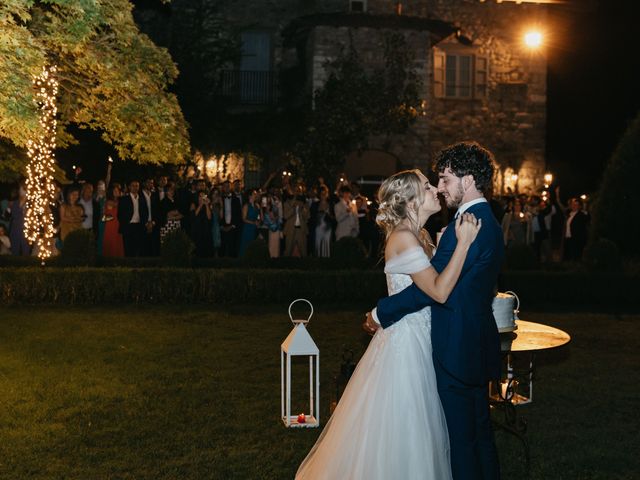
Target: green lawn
[(193, 392)]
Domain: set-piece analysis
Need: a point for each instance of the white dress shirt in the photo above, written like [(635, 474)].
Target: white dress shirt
[(567, 232), (147, 197), (466, 206), (135, 217), (227, 209)]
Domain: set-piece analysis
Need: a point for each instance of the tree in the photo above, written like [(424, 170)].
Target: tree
[(618, 193), (204, 43), (112, 79), (356, 104)]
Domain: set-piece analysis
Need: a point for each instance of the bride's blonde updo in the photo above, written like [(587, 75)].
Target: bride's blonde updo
[(399, 198)]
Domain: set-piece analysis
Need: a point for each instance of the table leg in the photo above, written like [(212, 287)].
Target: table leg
[(505, 402)]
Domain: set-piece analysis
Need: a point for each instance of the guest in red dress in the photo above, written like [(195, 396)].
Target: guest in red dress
[(112, 245)]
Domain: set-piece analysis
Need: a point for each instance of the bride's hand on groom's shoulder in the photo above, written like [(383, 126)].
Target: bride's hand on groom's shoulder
[(467, 228)]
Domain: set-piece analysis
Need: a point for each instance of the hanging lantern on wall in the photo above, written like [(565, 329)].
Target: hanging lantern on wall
[(300, 344)]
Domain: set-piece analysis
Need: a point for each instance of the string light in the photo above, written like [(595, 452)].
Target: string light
[(38, 225)]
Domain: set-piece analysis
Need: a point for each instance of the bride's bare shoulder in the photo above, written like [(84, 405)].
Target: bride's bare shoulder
[(399, 241)]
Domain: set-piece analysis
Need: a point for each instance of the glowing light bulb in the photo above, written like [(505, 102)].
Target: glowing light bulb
[(533, 39)]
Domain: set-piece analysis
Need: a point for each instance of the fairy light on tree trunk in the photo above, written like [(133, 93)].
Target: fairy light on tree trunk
[(38, 225)]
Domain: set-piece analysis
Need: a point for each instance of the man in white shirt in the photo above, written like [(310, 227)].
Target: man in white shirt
[(231, 224), (132, 212), (296, 216), (151, 246), (574, 232), (90, 207)]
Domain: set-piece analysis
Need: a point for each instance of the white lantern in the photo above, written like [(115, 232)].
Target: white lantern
[(300, 343)]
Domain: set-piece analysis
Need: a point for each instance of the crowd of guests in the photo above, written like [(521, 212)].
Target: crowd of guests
[(223, 219), (545, 223)]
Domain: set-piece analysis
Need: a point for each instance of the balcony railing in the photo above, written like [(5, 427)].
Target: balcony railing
[(250, 87)]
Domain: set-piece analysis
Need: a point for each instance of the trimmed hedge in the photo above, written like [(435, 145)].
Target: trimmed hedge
[(177, 249), (255, 258), (86, 286), (79, 249), (577, 290)]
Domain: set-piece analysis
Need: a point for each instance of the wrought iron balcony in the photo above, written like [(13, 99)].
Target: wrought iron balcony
[(250, 87)]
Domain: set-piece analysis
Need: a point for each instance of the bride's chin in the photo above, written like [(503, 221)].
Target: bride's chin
[(428, 215), (435, 210)]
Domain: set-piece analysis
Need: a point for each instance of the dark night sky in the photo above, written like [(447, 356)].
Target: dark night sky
[(593, 88), (593, 91)]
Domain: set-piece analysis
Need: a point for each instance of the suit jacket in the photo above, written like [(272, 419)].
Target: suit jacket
[(236, 211), (156, 211), (290, 217), (464, 335), (125, 211), (579, 226)]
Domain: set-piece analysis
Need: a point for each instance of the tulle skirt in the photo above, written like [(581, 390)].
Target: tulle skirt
[(389, 423)]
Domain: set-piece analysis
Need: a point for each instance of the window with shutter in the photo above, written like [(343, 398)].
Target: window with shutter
[(459, 74), (481, 76), (438, 73)]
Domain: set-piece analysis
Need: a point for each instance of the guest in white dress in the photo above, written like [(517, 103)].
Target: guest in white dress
[(389, 423)]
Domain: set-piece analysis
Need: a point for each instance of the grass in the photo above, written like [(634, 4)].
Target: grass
[(186, 392)]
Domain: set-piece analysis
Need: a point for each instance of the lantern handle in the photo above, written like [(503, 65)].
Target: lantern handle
[(300, 321), (517, 310)]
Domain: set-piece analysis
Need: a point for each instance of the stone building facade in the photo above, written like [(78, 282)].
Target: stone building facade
[(480, 82)]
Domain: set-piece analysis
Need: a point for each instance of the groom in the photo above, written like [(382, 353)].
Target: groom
[(464, 336)]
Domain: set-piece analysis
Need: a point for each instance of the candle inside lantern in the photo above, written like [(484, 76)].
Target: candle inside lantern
[(505, 391), (302, 418), (508, 390)]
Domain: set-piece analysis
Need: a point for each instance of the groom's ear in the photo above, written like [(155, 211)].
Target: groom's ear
[(468, 182)]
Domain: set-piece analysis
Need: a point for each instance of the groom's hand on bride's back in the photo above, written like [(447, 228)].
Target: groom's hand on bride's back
[(370, 325)]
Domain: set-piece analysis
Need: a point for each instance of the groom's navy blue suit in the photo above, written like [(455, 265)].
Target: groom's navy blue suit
[(466, 345)]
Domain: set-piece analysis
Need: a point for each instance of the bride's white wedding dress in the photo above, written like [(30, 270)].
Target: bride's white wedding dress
[(389, 423)]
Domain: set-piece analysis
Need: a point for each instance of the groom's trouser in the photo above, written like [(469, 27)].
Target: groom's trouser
[(466, 408)]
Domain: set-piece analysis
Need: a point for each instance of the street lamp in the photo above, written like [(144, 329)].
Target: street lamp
[(548, 180)]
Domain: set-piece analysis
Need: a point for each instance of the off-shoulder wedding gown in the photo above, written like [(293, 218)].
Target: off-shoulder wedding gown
[(389, 423)]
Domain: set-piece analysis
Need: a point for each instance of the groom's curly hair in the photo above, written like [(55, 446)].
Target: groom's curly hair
[(468, 158)]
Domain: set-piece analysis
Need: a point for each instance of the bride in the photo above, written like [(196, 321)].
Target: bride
[(389, 422)]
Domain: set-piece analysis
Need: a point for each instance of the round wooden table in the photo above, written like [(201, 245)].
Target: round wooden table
[(517, 388), (532, 337)]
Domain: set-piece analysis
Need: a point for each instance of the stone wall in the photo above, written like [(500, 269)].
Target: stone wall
[(511, 120)]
